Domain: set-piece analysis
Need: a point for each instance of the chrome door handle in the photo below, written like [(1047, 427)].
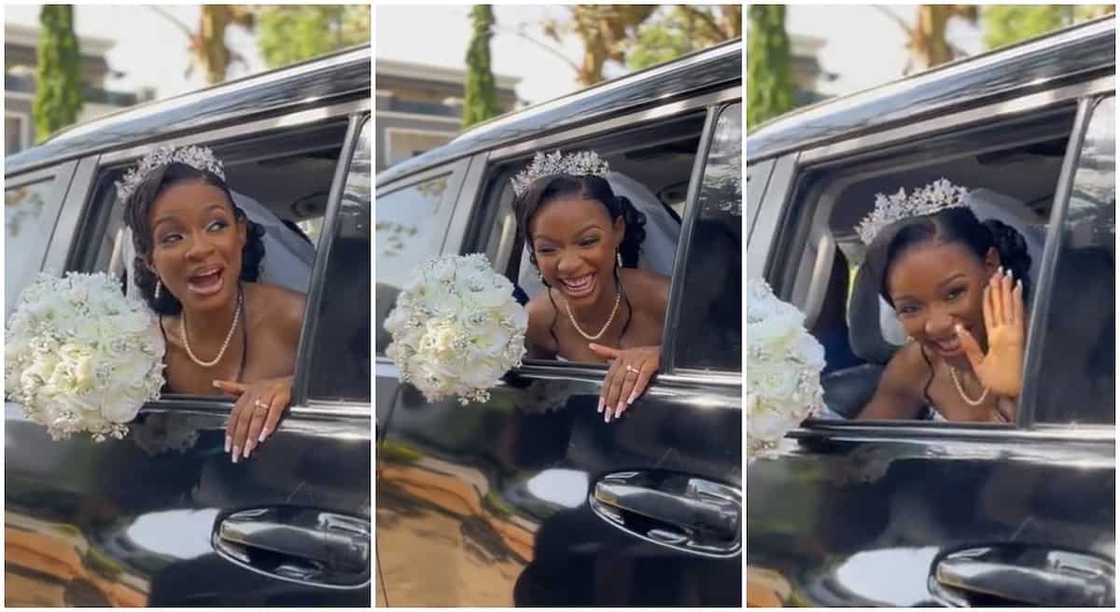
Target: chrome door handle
[(298, 543), (1028, 576), (673, 510)]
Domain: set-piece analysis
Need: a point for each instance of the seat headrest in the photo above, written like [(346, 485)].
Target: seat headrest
[(865, 326)]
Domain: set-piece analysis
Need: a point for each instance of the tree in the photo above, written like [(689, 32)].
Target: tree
[(769, 73), (1008, 24), (605, 30), (926, 40), (58, 87), (290, 33), (681, 30), (207, 45), (480, 99)]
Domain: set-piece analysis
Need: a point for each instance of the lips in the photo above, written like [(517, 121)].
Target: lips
[(206, 281), (578, 286)]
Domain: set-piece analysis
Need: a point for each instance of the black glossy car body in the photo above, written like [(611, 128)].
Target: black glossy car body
[(162, 517), (530, 498), (905, 513)]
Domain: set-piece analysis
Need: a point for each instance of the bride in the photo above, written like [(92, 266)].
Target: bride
[(197, 262), (596, 304), (957, 286)]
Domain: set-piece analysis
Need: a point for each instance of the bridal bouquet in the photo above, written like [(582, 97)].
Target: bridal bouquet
[(81, 357), (456, 328), (784, 364)]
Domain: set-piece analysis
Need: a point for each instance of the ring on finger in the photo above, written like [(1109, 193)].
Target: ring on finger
[(259, 404), (630, 368)]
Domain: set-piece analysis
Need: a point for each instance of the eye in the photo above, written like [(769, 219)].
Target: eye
[(589, 241), (169, 238), (218, 225), (906, 310), (545, 250), (954, 294)]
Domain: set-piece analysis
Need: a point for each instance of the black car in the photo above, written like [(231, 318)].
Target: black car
[(530, 498), (917, 513), (162, 517)]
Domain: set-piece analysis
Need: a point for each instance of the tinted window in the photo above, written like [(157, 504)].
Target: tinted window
[(340, 363), (30, 212), (410, 229), (1078, 364), (709, 329)]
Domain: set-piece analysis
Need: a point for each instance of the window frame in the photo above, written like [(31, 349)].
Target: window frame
[(776, 205), (97, 165), (487, 164)]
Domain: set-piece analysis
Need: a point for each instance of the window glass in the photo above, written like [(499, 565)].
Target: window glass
[(409, 231), (709, 328), (1078, 361), (30, 213), (340, 363)]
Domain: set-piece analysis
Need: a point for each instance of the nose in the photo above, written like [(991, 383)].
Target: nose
[(200, 247), (940, 323), (567, 263)]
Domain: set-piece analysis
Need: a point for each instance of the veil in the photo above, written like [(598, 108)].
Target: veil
[(288, 256)]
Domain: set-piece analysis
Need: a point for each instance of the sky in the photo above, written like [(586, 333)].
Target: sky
[(852, 34), (149, 49)]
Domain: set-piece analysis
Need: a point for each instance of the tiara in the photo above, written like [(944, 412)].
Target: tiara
[(580, 163), (199, 158), (934, 197)]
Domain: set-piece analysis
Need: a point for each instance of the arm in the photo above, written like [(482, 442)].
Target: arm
[(899, 395)]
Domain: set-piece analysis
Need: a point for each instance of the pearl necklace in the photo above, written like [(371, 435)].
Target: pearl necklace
[(960, 389), (225, 345), (610, 319)]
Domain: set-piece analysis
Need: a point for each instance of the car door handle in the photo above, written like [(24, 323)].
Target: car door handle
[(675, 510), (1032, 577), (298, 543)]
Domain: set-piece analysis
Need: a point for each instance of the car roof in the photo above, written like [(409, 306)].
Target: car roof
[(336, 77), (711, 68), (1077, 53)]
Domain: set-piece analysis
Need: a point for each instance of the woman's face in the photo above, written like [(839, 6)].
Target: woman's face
[(575, 242), (934, 287), (196, 244)]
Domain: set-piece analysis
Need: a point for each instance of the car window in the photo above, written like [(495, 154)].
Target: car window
[(1078, 344), (340, 362), (31, 209), (708, 333), (411, 225)]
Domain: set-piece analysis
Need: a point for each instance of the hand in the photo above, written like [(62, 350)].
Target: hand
[(628, 376), (256, 412), (1001, 370)]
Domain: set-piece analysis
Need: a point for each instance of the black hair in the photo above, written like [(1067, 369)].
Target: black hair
[(952, 225), (590, 187), (138, 208)]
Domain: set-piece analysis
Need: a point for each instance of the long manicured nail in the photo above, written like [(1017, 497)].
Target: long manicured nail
[(264, 434), (618, 408), (236, 453), (607, 416), (1019, 283), (248, 449), (217, 385), (630, 400), (600, 405), (1010, 274), (229, 441)]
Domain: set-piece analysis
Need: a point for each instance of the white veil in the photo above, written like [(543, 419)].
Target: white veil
[(288, 257)]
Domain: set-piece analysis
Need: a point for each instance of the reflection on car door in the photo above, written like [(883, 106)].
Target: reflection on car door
[(163, 517), (531, 499)]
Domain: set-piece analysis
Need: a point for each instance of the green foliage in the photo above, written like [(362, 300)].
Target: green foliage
[(769, 72), (58, 87), (289, 34), (480, 98), (680, 30), (1011, 23)]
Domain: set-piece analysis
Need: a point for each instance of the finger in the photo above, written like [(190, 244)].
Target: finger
[(997, 298), (241, 429), (626, 390), (604, 391), (231, 425), (1017, 303), (1008, 297), (989, 316), (647, 371), (615, 391), (971, 347), (605, 352), (233, 388), (275, 411), (256, 422)]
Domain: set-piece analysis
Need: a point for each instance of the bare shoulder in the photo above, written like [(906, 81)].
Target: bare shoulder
[(648, 287), (900, 392), (282, 307), (541, 313)]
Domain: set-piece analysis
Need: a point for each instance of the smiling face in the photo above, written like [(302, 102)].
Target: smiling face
[(196, 244), (574, 241), (935, 286)]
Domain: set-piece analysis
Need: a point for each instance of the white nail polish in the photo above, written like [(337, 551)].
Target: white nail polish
[(264, 434), (600, 410), (607, 416), (229, 441), (236, 454)]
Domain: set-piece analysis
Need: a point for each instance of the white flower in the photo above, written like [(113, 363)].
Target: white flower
[(456, 328), (82, 357), (783, 369)]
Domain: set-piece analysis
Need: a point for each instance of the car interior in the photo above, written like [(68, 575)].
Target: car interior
[(650, 165), (1011, 170)]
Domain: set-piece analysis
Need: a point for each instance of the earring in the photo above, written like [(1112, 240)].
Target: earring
[(540, 276), (158, 285), (618, 258)]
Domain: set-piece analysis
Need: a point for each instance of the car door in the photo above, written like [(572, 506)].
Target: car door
[(857, 513), (531, 499), (162, 517)]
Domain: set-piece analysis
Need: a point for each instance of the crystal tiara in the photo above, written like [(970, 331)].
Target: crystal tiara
[(199, 158), (934, 197), (580, 163)]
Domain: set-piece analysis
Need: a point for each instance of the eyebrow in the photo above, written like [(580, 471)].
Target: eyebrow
[(212, 206), (589, 226), (947, 281)]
